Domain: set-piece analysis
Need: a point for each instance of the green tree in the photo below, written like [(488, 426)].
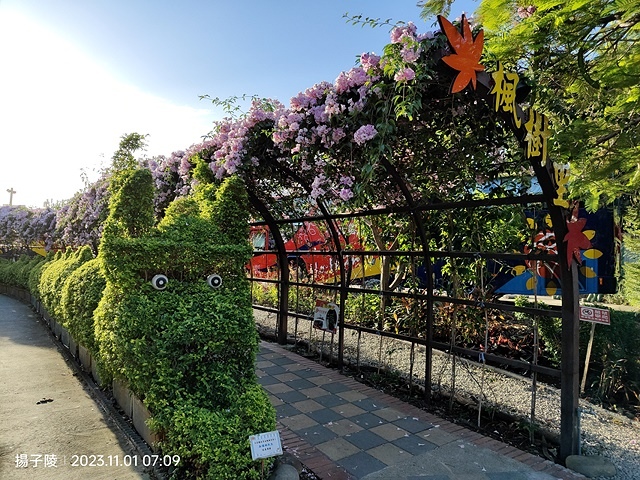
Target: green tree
[(130, 143), (582, 60)]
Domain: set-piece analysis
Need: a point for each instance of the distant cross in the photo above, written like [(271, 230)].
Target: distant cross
[(11, 191)]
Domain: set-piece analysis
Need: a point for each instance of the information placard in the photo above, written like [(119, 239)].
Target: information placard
[(325, 316), (595, 315), (265, 445)]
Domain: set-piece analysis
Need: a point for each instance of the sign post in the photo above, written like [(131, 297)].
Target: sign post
[(593, 315), (265, 445)]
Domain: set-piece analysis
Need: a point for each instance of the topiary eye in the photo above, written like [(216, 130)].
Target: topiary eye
[(214, 281), (159, 281)]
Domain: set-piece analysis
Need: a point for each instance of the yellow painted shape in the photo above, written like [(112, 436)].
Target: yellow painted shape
[(531, 222), (531, 283), (592, 253), (588, 272), (589, 234), (552, 288), (519, 269), (547, 220)]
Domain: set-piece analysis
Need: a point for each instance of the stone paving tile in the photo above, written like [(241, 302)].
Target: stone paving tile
[(389, 414), (291, 397), (411, 425), (336, 387), (318, 379), (300, 384), (351, 396), (295, 367), (348, 410), (281, 360), (367, 420), (326, 415), (275, 401), (298, 422), (338, 448), (389, 454), (307, 406), (369, 404), (264, 363), (437, 436), (316, 434), (365, 439), (278, 388), (389, 431), (286, 410), (344, 428), (361, 464), (287, 377), (330, 401), (268, 380), (275, 370), (313, 392)]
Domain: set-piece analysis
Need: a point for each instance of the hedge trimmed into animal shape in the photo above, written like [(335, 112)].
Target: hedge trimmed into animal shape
[(175, 322)]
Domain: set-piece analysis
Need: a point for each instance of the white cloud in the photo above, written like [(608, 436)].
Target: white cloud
[(61, 111)]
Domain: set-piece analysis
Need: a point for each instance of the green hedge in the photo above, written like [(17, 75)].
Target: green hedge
[(17, 273), (188, 350), (80, 297), (55, 274)]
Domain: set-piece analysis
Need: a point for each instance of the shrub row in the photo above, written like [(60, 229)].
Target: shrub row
[(186, 349)]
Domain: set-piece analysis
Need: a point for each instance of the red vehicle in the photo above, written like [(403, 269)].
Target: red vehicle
[(309, 262)]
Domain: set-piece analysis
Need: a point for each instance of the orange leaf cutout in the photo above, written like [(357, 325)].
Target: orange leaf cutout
[(468, 51)]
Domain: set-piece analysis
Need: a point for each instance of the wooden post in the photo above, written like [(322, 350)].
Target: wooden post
[(587, 358), (570, 368)]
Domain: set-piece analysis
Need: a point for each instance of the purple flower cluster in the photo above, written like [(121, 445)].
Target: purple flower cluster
[(320, 123), (21, 227), (364, 134), (171, 176), (80, 220), (526, 12), (404, 75)]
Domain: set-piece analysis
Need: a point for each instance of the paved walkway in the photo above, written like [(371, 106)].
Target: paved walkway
[(342, 429), (51, 426)]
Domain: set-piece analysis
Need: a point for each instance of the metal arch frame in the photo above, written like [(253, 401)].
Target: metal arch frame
[(285, 283), (283, 286)]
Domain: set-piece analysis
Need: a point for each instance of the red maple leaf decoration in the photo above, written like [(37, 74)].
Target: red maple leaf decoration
[(576, 240), (468, 51)]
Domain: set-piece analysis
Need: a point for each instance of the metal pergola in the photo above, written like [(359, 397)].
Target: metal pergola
[(415, 210)]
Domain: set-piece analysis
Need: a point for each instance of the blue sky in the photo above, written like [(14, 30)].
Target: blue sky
[(76, 75)]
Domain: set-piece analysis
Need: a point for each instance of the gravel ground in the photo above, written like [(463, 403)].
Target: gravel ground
[(604, 433)]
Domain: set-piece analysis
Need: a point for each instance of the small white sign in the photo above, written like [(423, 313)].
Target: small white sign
[(265, 445), (595, 315), (325, 316)]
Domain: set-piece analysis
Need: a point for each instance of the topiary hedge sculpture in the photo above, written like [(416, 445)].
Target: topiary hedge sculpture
[(175, 323)]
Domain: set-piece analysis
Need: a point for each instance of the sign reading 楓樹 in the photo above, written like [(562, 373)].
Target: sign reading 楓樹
[(595, 315)]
